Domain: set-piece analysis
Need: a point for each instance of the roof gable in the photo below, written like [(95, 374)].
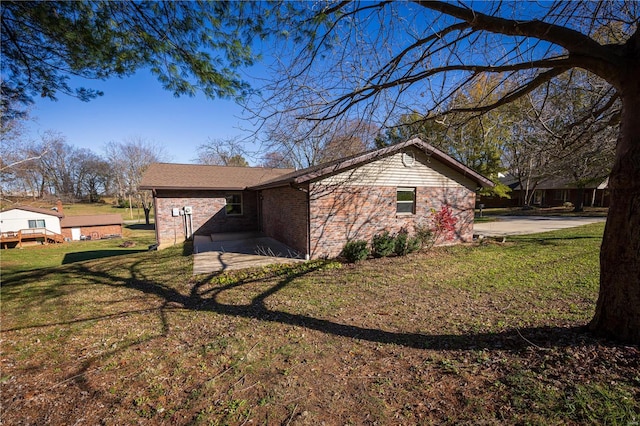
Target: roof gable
[(328, 169), (206, 177)]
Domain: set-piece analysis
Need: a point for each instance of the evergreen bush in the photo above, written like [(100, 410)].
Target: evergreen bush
[(355, 251), (383, 244), (400, 247)]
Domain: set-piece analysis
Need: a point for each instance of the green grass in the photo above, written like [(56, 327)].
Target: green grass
[(475, 334), (484, 219), (81, 208), (51, 255)]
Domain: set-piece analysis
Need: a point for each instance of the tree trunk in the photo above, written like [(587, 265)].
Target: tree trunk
[(147, 212), (578, 206), (618, 308)]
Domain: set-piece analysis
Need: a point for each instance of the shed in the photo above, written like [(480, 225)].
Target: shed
[(92, 227)]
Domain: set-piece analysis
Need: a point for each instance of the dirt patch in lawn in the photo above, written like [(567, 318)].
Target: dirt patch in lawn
[(455, 336)]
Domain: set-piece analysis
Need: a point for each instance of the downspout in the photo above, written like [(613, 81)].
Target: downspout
[(155, 216), (308, 254)]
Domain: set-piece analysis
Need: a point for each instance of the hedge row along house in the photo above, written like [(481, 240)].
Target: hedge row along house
[(316, 210)]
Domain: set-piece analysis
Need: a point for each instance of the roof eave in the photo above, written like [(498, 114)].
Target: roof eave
[(194, 188), (459, 167), (36, 210), (276, 184)]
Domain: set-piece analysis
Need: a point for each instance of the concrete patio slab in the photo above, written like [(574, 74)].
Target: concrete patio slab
[(232, 251), (520, 225)]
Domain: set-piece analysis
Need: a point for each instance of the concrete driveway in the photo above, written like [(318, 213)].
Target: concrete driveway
[(229, 251), (518, 225)]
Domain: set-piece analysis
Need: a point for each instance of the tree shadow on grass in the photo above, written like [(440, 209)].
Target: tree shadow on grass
[(199, 295), (141, 226), (82, 256), (203, 298), (547, 240)]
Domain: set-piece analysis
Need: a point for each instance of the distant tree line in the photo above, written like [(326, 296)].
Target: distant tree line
[(53, 167)]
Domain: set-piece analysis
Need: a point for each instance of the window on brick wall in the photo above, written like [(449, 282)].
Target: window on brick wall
[(406, 200), (234, 204)]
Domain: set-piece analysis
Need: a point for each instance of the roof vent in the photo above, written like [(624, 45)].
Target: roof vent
[(408, 158)]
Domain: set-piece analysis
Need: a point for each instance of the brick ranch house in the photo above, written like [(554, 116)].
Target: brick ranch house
[(315, 210)]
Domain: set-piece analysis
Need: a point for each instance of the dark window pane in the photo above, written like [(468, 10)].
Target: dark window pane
[(404, 208), (234, 199), (406, 195), (234, 209), (234, 204)]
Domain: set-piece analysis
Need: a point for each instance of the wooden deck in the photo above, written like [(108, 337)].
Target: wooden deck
[(31, 234)]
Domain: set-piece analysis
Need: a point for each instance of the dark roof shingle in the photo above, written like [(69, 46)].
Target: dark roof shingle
[(198, 176), (49, 212), (91, 220)]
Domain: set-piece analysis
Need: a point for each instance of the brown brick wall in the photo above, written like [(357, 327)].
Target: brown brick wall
[(95, 232), (342, 213), (284, 216), (208, 216)]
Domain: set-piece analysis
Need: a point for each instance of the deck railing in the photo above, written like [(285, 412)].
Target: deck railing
[(30, 234)]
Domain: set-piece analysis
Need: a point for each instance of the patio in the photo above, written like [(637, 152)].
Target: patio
[(230, 251)]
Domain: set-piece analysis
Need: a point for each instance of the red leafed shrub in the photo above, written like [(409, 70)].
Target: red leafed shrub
[(444, 224)]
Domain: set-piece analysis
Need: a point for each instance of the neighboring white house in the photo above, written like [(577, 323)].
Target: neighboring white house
[(24, 217)]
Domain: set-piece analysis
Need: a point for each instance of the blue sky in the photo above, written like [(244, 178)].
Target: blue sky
[(139, 107)]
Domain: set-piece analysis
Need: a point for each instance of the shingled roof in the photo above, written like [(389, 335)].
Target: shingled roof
[(91, 220), (333, 167), (35, 210), (206, 177)]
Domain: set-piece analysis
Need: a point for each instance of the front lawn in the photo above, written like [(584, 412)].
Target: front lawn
[(482, 334)]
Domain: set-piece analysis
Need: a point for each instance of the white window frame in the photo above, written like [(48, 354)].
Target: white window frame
[(36, 222), (405, 202), (227, 204)]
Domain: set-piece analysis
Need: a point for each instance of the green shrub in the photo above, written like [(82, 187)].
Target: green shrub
[(414, 244), (424, 235), (355, 251), (383, 244), (400, 247), (123, 203)]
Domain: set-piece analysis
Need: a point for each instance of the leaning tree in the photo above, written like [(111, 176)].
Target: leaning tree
[(380, 60)]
